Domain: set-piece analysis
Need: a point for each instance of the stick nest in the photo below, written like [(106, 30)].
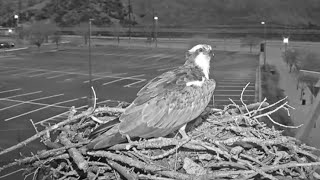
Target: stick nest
[(229, 144)]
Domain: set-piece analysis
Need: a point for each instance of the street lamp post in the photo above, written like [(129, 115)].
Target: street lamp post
[(265, 43), (90, 65), (16, 18), (156, 30)]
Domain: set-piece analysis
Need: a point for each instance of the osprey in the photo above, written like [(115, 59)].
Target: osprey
[(165, 104)]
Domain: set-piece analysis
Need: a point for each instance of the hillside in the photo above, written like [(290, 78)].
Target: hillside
[(200, 13), (230, 12)]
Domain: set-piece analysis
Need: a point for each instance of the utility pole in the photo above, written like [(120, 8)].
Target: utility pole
[(130, 23), (153, 25), (265, 43), (19, 7), (91, 100), (156, 31)]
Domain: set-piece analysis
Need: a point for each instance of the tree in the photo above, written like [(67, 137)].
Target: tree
[(250, 41), (39, 31), (117, 30), (56, 38), (291, 58), (82, 29)]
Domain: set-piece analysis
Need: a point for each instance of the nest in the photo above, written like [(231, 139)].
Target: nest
[(230, 143)]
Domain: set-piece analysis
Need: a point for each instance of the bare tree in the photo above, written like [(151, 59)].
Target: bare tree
[(116, 30), (56, 38), (250, 41), (82, 30), (291, 58), (39, 31)]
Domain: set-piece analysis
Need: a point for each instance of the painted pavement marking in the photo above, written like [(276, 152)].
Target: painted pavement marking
[(25, 102), (11, 90), (25, 94), (95, 79), (123, 78), (45, 107), (129, 85), (34, 103), (36, 75), (64, 113), (77, 73)]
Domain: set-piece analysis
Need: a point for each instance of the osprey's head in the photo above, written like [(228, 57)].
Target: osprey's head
[(200, 55)]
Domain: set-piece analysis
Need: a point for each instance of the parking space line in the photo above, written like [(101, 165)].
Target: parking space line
[(45, 107), (234, 86), (10, 71), (19, 95), (232, 83), (129, 85), (25, 102), (55, 116), (104, 101), (237, 81), (28, 71), (234, 90), (227, 100), (123, 78), (22, 73), (59, 75), (228, 95), (95, 79), (34, 103), (75, 73), (40, 74), (11, 90)]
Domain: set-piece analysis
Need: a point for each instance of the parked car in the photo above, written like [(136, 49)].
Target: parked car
[(6, 44)]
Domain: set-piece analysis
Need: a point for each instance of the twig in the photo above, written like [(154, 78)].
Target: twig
[(171, 151), (241, 98), (122, 170), (271, 105), (293, 127), (139, 164), (35, 128), (56, 126), (150, 177), (95, 99), (74, 153)]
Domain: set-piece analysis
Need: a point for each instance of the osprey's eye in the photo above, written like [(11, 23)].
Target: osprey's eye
[(200, 50)]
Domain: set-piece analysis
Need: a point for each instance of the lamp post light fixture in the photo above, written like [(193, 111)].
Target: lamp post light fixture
[(155, 18), (91, 100)]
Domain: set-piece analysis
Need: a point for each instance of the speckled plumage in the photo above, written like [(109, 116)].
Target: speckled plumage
[(162, 106)]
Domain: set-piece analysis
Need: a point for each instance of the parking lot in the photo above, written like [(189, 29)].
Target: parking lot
[(42, 86)]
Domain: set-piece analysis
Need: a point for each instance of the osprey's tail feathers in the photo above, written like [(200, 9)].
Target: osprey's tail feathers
[(106, 136)]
